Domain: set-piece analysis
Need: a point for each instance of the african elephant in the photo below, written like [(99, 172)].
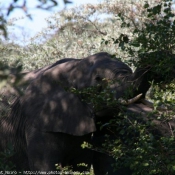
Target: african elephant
[(48, 124)]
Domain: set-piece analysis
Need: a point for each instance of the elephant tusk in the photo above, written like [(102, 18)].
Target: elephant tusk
[(130, 101)]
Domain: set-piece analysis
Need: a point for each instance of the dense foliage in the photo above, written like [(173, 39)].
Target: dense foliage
[(127, 29)]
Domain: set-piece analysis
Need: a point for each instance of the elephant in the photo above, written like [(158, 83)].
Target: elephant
[(48, 123)]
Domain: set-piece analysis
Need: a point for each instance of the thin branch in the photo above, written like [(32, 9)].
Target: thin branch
[(171, 130)]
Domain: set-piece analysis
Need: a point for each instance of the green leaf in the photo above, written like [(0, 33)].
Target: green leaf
[(146, 164), (135, 44), (146, 5), (173, 167)]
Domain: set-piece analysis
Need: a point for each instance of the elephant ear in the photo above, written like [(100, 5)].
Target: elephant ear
[(48, 106)]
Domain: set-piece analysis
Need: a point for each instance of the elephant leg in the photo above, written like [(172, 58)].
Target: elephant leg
[(45, 149), (103, 164), (76, 155)]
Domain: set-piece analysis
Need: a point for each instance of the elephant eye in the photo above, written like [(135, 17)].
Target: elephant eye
[(98, 78)]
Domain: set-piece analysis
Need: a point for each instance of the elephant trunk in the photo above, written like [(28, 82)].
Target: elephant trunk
[(130, 101), (141, 81)]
